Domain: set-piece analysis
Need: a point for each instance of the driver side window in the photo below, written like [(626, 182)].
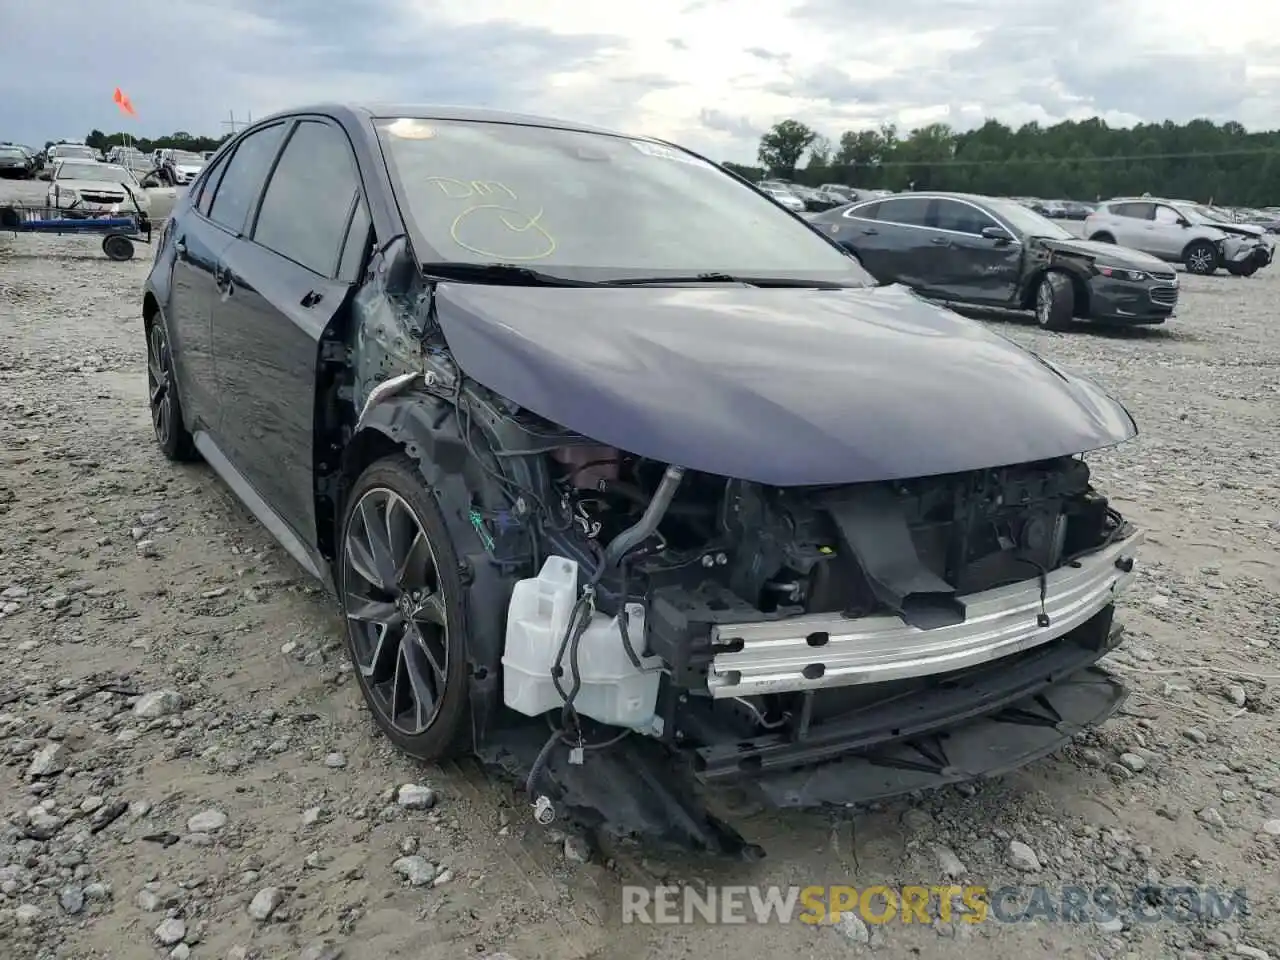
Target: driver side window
[(961, 218)]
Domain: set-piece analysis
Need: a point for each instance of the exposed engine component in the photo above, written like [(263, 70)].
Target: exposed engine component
[(541, 671), (751, 631)]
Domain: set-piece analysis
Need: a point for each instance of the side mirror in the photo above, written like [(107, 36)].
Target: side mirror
[(1184, 222), (996, 233)]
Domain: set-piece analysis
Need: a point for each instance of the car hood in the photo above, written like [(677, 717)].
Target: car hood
[(786, 387), (1110, 254), (1239, 229), (103, 186)]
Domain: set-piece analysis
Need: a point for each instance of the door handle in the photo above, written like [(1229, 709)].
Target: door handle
[(870, 232), (940, 242), (180, 247), (311, 298)]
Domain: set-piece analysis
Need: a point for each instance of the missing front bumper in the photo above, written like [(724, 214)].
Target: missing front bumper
[(989, 746), (816, 652), (974, 724)]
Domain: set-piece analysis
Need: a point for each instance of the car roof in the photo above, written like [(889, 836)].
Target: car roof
[(420, 111), (935, 195)]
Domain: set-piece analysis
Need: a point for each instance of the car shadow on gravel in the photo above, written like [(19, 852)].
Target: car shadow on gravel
[(1109, 331)]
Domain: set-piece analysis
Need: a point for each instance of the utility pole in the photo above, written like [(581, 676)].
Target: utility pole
[(233, 125)]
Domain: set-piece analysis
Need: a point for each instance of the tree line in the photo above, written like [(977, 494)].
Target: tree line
[(1079, 160), (179, 140)]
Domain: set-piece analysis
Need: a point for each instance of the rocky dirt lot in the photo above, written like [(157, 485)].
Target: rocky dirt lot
[(186, 769)]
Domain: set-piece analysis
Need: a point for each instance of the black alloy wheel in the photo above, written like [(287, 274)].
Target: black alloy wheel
[(400, 593), (1055, 301), (166, 409)]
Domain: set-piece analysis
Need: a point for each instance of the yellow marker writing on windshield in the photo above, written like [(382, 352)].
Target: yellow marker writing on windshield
[(522, 224), (456, 189)]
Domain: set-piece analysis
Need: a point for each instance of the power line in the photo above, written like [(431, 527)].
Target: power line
[(1207, 155)]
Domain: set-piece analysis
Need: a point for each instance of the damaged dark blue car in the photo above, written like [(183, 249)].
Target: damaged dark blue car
[(626, 479)]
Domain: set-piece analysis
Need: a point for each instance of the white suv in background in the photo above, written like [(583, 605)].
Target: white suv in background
[(1179, 231)]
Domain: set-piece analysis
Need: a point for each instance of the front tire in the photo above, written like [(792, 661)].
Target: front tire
[(402, 601), (172, 436), (1201, 258), (1055, 301)]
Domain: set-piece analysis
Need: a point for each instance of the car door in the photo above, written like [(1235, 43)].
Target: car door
[(1130, 224), (197, 245), (285, 280), (909, 249), (857, 231), (973, 267), (1168, 232), (201, 237)]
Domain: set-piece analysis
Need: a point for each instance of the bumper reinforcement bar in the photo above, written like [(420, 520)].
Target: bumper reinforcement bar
[(828, 650)]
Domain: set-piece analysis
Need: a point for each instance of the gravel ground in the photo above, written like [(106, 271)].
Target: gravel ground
[(187, 770)]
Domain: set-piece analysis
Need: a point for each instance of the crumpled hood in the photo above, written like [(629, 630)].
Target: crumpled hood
[(1110, 254), (786, 387)]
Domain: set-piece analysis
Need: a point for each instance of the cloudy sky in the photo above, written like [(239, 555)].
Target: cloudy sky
[(711, 74)]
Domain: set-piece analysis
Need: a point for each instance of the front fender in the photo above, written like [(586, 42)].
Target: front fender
[(427, 428)]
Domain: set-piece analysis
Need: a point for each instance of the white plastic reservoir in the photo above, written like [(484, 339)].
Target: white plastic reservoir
[(613, 691)]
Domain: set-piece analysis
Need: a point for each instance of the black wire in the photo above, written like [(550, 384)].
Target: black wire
[(540, 762), (589, 746), (542, 512), (623, 617)]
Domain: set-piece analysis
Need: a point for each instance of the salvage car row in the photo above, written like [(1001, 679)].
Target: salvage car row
[(580, 468), (993, 252)]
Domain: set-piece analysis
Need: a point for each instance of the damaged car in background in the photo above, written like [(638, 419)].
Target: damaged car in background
[(1179, 231), (643, 511)]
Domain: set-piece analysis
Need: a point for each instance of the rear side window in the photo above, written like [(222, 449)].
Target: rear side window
[(307, 206), (246, 170), (1135, 211), (865, 211), (909, 211)]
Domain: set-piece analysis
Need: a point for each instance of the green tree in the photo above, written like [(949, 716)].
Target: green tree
[(820, 153), (1079, 159), (782, 147)]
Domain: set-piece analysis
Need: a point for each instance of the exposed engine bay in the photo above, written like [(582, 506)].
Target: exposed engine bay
[(652, 579), (655, 633)]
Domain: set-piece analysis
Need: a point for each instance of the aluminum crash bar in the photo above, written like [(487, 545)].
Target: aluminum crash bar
[(828, 650)]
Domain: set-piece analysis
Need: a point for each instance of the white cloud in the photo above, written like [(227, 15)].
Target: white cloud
[(708, 73)]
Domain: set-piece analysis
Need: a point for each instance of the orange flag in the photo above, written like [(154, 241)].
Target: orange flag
[(124, 103)]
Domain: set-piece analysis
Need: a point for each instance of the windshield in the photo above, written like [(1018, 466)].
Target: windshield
[(102, 172), (12, 152), (181, 156), (81, 153), (591, 206), (1198, 214), (1027, 221)]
